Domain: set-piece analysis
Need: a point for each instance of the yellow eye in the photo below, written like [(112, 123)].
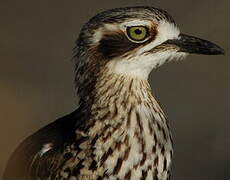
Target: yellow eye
[(137, 33)]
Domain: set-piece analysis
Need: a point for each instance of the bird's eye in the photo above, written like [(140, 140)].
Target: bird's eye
[(137, 33)]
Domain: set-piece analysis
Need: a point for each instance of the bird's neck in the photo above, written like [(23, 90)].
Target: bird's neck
[(116, 99)]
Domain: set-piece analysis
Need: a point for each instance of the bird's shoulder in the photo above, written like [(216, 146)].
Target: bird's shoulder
[(41, 154)]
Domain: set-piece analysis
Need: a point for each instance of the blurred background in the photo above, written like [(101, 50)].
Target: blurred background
[(36, 77)]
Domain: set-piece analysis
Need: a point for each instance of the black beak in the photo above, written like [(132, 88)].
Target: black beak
[(194, 45)]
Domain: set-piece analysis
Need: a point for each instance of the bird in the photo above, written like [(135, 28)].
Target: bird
[(119, 130)]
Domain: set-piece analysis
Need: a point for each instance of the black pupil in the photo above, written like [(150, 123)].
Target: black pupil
[(138, 31)]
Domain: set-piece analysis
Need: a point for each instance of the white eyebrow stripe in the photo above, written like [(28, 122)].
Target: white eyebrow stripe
[(98, 34), (126, 24), (135, 23)]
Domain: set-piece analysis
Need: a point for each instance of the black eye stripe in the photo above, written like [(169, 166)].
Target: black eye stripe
[(115, 45)]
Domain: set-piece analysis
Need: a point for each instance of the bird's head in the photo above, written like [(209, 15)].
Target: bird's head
[(132, 41)]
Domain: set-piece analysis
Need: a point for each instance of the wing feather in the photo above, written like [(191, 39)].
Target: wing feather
[(41, 154)]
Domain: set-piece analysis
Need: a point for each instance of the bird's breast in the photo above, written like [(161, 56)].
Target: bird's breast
[(132, 146)]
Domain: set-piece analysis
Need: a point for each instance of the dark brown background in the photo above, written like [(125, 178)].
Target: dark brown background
[(36, 77)]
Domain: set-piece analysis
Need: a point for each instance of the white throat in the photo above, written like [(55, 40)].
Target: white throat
[(141, 66)]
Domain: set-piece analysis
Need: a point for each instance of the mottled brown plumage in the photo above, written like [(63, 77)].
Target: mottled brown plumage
[(119, 130)]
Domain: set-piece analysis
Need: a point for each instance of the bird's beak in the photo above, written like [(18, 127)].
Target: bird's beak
[(194, 45)]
